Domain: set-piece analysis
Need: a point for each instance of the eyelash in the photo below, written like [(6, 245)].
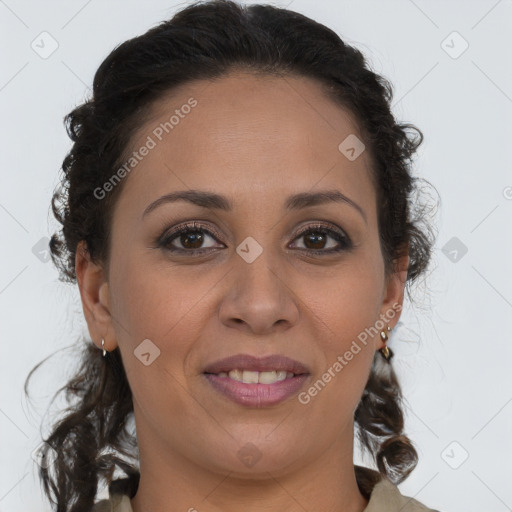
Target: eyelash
[(164, 240)]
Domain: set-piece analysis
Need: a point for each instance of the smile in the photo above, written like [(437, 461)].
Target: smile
[(256, 381), (252, 377)]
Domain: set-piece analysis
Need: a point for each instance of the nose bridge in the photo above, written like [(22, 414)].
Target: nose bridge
[(259, 296), (258, 266)]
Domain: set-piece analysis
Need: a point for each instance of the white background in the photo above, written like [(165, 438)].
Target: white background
[(453, 349)]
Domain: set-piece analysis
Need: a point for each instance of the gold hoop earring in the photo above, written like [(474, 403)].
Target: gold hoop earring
[(386, 352)]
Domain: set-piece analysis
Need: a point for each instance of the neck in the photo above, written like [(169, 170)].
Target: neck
[(170, 483)]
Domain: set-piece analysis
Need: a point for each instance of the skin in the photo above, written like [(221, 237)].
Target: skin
[(256, 140)]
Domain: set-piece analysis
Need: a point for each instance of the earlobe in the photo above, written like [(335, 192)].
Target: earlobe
[(94, 293)]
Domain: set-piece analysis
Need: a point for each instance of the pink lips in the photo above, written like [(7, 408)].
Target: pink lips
[(256, 395)]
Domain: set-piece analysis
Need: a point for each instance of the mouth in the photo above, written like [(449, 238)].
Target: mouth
[(257, 382), (254, 377)]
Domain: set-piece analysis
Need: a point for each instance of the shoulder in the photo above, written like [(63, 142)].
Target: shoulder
[(383, 495), (120, 492), (386, 497), (115, 503)]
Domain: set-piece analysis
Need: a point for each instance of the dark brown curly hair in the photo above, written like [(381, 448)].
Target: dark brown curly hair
[(203, 41)]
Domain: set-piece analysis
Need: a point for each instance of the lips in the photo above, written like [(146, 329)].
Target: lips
[(246, 362), (257, 382)]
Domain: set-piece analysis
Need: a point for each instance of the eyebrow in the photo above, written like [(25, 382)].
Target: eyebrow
[(215, 201)]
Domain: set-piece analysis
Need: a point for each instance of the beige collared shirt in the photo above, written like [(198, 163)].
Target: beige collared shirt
[(383, 496)]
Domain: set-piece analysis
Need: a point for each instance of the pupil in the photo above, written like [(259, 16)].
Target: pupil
[(198, 240), (317, 237)]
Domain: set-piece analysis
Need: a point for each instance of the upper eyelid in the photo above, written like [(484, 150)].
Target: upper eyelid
[(203, 226), (321, 225)]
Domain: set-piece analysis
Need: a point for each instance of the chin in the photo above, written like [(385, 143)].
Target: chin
[(255, 459)]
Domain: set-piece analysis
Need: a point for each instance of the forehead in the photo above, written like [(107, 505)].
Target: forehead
[(245, 131)]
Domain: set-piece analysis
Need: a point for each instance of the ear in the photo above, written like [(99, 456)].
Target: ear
[(393, 295), (94, 292)]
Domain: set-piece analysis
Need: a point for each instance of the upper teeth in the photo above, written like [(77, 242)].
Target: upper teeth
[(250, 377)]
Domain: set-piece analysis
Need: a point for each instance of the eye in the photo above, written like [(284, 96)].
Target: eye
[(190, 237), (316, 240)]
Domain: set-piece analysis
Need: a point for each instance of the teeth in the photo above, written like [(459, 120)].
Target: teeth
[(251, 377), (269, 377), (236, 375)]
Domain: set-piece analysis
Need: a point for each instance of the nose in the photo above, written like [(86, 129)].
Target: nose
[(259, 300)]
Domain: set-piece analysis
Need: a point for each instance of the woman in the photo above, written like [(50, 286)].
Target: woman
[(236, 211)]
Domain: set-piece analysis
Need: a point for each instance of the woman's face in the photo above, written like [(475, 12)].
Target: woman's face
[(254, 290)]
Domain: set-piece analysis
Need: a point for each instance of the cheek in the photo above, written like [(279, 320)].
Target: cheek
[(348, 348), (161, 302), (151, 298), (156, 303), (345, 310), (349, 299)]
